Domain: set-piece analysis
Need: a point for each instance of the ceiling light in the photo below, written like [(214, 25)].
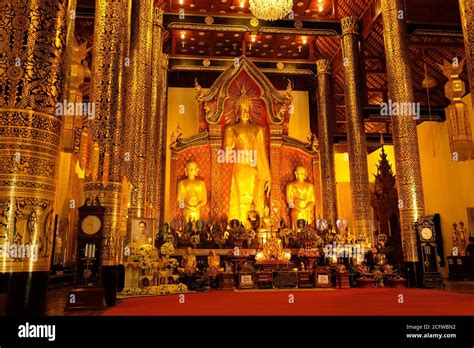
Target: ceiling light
[(428, 82), (270, 10)]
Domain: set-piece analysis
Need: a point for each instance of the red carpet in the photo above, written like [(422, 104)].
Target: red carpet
[(336, 302)]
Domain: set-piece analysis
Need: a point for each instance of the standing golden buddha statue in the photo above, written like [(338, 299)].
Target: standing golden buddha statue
[(251, 171), (300, 198), (192, 194)]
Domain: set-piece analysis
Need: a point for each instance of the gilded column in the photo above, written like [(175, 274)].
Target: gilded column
[(157, 126), (161, 136), (467, 20), (32, 55), (138, 103), (70, 142), (109, 46), (405, 139), (355, 129), (326, 142)]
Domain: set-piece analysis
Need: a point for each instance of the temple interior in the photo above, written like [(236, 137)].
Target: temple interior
[(152, 147)]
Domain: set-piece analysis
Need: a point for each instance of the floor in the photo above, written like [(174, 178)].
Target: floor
[(337, 302)]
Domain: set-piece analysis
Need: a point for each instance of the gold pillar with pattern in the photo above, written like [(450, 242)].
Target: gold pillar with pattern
[(138, 103), (105, 182), (357, 145), (405, 138), (326, 142), (467, 20), (32, 56), (157, 125)]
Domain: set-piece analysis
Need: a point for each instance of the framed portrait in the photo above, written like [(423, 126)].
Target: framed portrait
[(246, 281), (323, 279), (142, 231)]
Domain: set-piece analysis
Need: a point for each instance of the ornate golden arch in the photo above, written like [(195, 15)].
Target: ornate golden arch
[(217, 108)]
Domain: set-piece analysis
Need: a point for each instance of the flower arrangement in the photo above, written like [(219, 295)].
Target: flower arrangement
[(167, 249), (388, 269), (308, 252), (163, 289), (144, 254), (240, 233), (309, 234), (145, 248), (171, 263), (169, 239), (362, 269)]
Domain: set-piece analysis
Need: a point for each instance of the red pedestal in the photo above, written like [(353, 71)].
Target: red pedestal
[(397, 283), (342, 280), (365, 283), (226, 281), (274, 264)]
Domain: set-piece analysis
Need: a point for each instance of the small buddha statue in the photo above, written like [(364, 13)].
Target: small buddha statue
[(163, 236), (253, 217), (300, 225), (214, 264), (192, 194), (189, 263), (455, 238), (463, 237), (302, 266), (300, 197), (267, 219), (350, 238)]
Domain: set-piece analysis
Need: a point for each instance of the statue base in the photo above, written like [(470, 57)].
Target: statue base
[(274, 264)]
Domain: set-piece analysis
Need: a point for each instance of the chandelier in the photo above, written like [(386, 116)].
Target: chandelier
[(270, 10)]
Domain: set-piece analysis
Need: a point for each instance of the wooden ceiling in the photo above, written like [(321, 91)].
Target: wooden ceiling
[(434, 35), (303, 9)]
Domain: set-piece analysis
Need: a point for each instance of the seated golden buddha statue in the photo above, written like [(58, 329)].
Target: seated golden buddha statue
[(192, 194), (214, 264), (300, 197), (189, 263)]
